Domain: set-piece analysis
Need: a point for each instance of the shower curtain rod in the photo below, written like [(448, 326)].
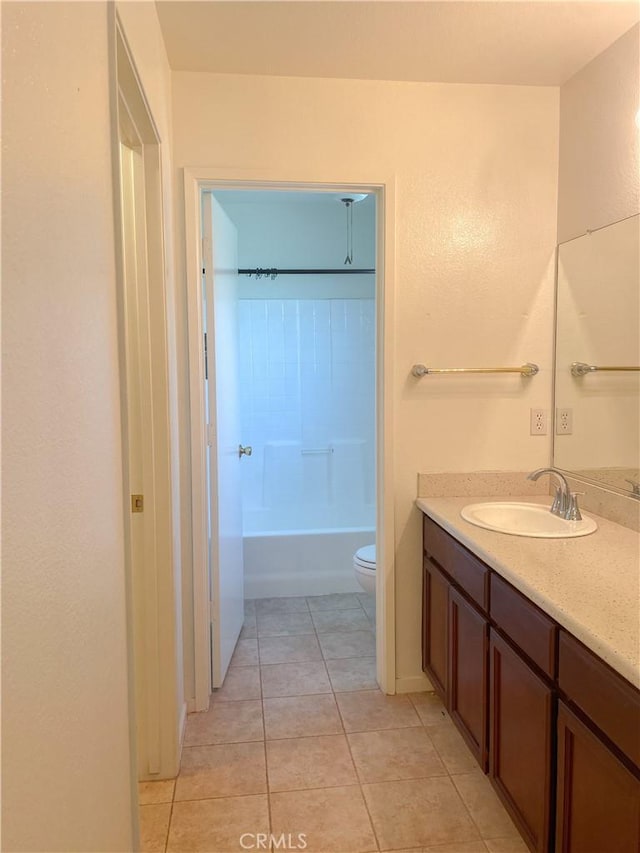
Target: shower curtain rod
[(272, 272)]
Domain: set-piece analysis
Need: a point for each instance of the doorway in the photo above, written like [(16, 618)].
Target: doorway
[(300, 373), (327, 475)]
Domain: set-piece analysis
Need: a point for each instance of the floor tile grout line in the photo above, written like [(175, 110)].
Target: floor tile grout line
[(364, 799), (223, 743), (346, 737), (296, 695), (515, 834), (355, 784), (168, 832), (264, 748), (365, 732), (287, 791), (173, 800), (468, 810), (264, 743), (223, 797), (405, 779)]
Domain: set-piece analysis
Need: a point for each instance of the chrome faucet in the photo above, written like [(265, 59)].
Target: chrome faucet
[(565, 502)]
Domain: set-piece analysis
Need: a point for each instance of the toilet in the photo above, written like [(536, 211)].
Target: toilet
[(364, 566)]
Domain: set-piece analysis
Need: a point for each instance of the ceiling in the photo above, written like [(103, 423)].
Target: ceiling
[(479, 41)]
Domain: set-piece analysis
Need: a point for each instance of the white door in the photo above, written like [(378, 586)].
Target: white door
[(226, 570), (140, 458)]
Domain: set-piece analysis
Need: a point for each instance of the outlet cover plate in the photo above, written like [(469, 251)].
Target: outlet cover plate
[(564, 421), (538, 423)]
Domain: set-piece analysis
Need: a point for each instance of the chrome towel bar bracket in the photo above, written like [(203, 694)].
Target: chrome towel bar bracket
[(527, 369), (579, 368)]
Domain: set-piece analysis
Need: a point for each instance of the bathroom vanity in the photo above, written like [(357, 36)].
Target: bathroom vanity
[(533, 645)]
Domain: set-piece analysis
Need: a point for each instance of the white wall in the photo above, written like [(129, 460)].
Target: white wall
[(476, 172), (66, 751), (299, 229), (599, 177)]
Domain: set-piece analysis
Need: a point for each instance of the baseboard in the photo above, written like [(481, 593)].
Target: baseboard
[(414, 684), (191, 706)]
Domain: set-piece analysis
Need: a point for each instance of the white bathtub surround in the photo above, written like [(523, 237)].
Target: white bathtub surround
[(590, 585), (308, 409)]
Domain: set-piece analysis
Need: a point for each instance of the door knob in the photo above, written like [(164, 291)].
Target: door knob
[(244, 451)]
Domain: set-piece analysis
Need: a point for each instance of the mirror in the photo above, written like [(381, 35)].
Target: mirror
[(597, 372)]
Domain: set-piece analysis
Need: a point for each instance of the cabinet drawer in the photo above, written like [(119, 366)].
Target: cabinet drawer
[(525, 624), (471, 574), (466, 569), (437, 543), (605, 697)]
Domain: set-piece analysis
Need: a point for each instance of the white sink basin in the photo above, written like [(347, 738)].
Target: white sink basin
[(525, 519)]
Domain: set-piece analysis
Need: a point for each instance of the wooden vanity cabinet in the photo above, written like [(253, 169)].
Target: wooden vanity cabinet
[(598, 794), (556, 728)]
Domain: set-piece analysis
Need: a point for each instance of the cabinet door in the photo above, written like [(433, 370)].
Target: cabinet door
[(468, 673), (435, 627), (598, 798), (521, 707)]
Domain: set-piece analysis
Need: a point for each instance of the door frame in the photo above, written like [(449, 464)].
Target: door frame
[(156, 707), (197, 180)]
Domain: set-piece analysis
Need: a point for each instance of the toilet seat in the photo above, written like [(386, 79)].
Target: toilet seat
[(364, 566), (366, 557)]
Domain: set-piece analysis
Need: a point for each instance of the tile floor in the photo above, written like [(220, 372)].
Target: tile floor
[(300, 740)]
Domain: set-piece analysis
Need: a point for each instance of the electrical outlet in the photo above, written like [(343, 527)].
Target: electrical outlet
[(564, 421), (538, 421)]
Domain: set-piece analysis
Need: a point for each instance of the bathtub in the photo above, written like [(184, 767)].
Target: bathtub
[(310, 553)]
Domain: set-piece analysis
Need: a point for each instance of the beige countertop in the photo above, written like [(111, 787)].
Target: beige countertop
[(590, 585)]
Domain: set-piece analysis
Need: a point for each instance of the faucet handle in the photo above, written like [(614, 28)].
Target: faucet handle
[(573, 510), (558, 507)]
